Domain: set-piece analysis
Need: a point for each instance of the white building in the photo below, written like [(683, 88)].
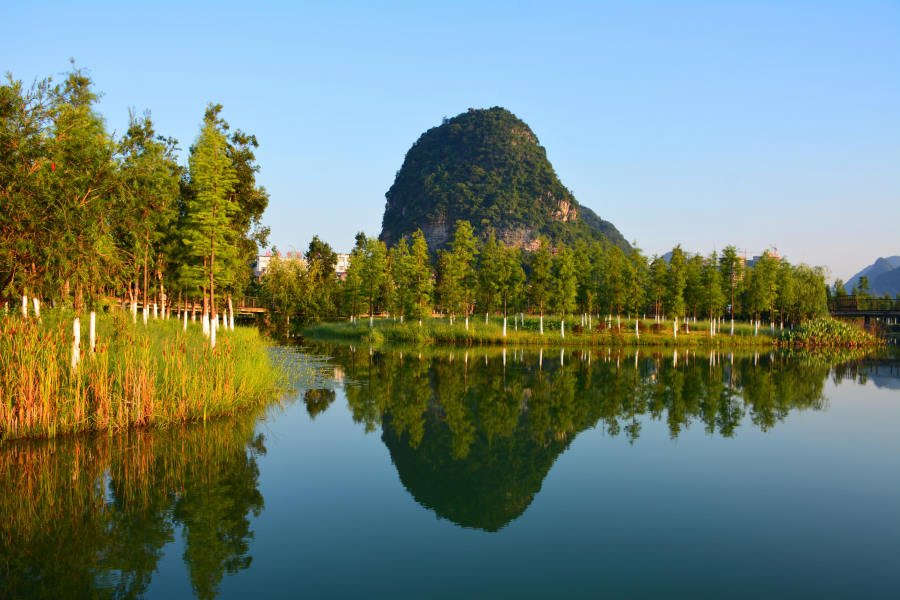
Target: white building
[(262, 262)]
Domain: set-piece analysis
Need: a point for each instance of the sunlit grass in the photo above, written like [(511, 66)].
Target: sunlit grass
[(439, 330), (138, 376)]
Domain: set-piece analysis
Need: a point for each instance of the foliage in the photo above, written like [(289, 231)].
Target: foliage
[(486, 167), (827, 332)]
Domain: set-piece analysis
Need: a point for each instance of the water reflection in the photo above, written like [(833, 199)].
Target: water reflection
[(90, 516), (473, 433)]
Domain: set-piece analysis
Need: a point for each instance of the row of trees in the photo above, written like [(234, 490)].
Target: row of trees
[(487, 277), (87, 214)]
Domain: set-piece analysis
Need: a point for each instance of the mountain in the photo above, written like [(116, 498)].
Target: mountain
[(879, 267), (486, 166), (886, 282)]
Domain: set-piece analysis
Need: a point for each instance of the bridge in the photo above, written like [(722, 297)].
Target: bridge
[(247, 305), (854, 306)]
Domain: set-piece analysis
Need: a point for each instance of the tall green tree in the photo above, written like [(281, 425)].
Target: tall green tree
[(419, 270), (401, 274), (463, 268), (489, 275), (731, 267), (713, 295), (209, 229), (541, 278), (565, 281), (675, 305), (373, 273), (638, 280)]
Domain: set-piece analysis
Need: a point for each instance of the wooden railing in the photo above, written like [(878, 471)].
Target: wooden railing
[(855, 303)]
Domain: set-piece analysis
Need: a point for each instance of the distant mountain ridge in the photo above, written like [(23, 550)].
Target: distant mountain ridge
[(879, 267), (887, 282)]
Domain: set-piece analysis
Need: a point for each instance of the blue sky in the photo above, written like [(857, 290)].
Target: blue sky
[(700, 123)]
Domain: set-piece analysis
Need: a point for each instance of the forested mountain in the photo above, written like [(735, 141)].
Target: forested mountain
[(873, 271), (487, 167), (888, 282)]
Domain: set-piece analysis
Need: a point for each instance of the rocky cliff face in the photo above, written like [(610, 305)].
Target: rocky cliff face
[(486, 167)]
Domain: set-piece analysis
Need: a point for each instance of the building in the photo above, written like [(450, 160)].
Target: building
[(342, 265), (262, 263)]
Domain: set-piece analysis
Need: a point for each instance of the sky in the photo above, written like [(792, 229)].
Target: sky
[(695, 123)]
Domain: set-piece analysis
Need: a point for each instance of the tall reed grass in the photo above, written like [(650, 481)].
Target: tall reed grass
[(138, 376)]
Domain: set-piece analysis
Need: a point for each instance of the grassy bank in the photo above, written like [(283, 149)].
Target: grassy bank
[(439, 330), (138, 376)]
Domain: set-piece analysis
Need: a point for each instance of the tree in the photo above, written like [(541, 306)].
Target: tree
[(149, 177), (209, 213), (677, 282), (693, 290), (638, 280), (731, 268), (510, 275), (320, 262), (713, 296), (489, 275), (400, 269), (541, 274), (787, 292), (372, 273), (615, 276), (462, 268), (862, 287), (419, 273), (839, 288), (564, 281), (659, 278)]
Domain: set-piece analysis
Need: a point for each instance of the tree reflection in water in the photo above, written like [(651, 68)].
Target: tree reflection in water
[(89, 516), (474, 432)]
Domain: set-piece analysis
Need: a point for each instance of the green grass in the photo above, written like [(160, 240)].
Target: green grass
[(138, 376), (439, 330), (829, 333)]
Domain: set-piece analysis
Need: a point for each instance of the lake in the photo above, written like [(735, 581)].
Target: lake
[(478, 472)]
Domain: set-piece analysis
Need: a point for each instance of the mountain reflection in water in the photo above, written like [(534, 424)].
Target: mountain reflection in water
[(473, 433)]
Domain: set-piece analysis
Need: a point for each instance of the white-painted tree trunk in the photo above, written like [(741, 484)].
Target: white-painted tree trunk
[(401, 319), (420, 322), (485, 318), (212, 335), (732, 325), (76, 342), (93, 331), (205, 324), (504, 330), (185, 322), (371, 321), (542, 324), (562, 327), (637, 329), (230, 314), (25, 307), (155, 312), (144, 315), (675, 327), (37, 308), (467, 321), (756, 331)]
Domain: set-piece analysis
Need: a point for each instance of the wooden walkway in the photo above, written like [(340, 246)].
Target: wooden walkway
[(854, 306)]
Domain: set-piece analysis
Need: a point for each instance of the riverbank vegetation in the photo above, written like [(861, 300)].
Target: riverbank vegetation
[(528, 333), (476, 278), (135, 375), (90, 218), (826, 333)]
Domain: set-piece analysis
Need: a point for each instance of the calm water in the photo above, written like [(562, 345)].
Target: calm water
[(449, 474)]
